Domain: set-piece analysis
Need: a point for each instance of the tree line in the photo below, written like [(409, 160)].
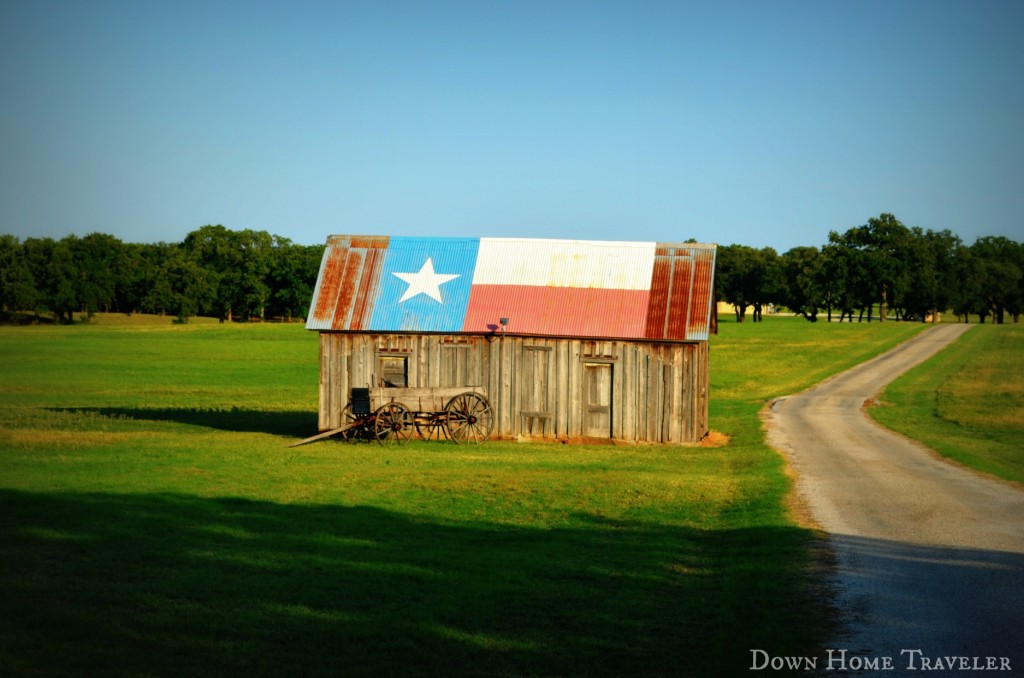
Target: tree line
[(881, 269), (214, 272), (878, 270)]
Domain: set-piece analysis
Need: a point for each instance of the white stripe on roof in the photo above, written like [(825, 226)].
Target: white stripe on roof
[(565, 263)]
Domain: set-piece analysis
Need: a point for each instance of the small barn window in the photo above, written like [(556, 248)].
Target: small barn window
[(393, 370)]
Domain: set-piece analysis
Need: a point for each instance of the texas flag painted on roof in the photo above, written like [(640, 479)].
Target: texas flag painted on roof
[(557, 288)]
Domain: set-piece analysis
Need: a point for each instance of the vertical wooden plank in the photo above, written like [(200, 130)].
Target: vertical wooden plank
[(634, 392), (703, 356), (498, 395), (576, 389), (501, 399), (415, 360), (654, 396), (623, 399), (663, 389), (509, 383), (519, 383), (677, 407), (429, 347), (494, 381), (360, 376), (695, 397), (642, 366), (484, 348), (617, 392), (686, 394), (323, 386), (557, 388), (339, 377), (638, 393), (627, 398), (550, 383), (339, 371), (670, 394), (474, 378)]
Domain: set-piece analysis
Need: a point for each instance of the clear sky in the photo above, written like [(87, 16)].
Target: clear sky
[(765, 123)]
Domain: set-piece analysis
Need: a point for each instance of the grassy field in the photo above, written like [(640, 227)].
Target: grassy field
[(967, 403), (154, 523)]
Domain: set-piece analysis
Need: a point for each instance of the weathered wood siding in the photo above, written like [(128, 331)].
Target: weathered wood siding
[(546, 388)]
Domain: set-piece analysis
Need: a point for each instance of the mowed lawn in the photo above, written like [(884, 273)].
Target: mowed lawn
[(155, 523), (967, 402)]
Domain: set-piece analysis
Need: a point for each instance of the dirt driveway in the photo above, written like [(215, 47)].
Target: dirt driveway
[(930, 557)]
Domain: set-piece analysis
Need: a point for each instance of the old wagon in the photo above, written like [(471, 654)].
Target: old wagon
[(396, 414)]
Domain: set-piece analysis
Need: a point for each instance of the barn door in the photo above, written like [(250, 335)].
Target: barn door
[(597, 400)]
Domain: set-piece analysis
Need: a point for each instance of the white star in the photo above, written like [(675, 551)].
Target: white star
[(425, 282)]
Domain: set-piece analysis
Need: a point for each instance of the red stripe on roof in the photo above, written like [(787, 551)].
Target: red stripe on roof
[(557, 311)]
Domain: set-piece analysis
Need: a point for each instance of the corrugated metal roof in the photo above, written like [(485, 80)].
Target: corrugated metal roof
[(576, 288)]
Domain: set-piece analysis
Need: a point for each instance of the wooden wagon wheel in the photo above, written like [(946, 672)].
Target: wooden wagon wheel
[(356, 430), (392, 423), (469, 418)]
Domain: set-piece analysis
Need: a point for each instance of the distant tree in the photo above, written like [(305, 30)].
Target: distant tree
[(803, 275), (878, 256), (256, 255), (101, 267), (17, 286), (734, 270), (766, 284), (152, 289), (747, 277), (52, 264), (932, 278), (836, 276), (292, 277), (237, 264), (195, 287), (1000, 262), (212, 249)]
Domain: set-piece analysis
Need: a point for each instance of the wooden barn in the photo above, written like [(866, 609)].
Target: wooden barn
[(568, 339)]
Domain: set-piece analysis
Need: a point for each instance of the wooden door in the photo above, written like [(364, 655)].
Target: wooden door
[(597, 400)]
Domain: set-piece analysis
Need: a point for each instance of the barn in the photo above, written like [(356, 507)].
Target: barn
[(568, 339)]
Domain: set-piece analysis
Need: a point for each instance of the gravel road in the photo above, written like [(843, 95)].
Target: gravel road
[(930, 557)]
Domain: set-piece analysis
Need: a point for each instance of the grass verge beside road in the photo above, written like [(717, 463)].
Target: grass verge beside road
[(967, 402), (154, 523)]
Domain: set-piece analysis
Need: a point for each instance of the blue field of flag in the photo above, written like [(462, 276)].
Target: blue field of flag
[(425, 285)]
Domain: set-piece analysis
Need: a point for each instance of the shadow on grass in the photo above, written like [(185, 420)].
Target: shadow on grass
[(289, 424), (107, 584)]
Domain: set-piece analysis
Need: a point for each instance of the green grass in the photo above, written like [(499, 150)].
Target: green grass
[(154, 523), (967, 402)]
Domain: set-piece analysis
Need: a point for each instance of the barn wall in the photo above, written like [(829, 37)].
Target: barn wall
[(544, 388)]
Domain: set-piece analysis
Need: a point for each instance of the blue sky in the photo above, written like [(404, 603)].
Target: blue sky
[(765, 123)]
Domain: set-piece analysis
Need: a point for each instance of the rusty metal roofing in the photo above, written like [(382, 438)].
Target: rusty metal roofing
[(561, 288)]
